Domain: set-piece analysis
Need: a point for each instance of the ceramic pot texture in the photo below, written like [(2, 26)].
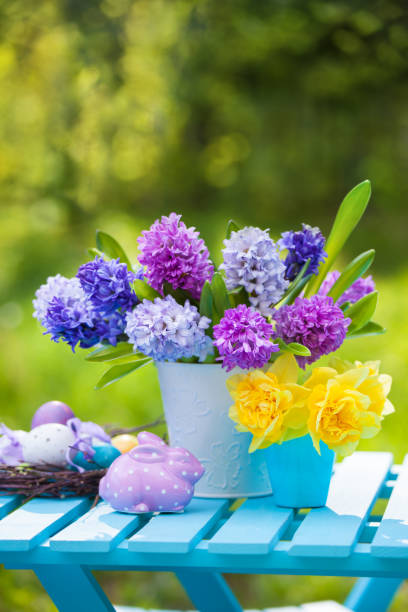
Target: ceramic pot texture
[(300, 477), (196, 404)]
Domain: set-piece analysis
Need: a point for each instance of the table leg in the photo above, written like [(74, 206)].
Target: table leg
[(369, 594), (208, 591), (73, 588)]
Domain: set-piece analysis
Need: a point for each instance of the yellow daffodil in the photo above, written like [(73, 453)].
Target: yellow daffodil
[(346, 403), (377, 386), (269, 404)]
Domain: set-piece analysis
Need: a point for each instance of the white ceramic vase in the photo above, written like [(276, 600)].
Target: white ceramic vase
[(196, 403)]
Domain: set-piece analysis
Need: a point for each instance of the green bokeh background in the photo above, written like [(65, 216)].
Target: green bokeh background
[(114, 112)]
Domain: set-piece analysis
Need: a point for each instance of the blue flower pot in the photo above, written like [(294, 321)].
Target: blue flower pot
[(300, 477)]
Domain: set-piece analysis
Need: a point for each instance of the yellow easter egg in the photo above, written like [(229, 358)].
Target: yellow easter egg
[(124, 442)]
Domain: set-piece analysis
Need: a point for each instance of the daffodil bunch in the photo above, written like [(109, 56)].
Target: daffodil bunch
[(338, 405)]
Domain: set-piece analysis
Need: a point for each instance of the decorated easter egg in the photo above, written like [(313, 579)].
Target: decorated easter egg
[(48, 444), (104, 455), (52, 412), (124, 442)]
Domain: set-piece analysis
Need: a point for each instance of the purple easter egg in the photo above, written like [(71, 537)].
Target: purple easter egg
[(152, 477), (52, 412)]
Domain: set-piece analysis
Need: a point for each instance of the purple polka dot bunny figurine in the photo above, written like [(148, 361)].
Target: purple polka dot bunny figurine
[(152, 477)]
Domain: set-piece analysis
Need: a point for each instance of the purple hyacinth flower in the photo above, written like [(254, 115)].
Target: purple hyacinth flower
[(174, 254), (360, 287), (68, 314), (315, 322), (110, 328), (308, 243), (168, 331), (244, 339), (108, 284), (252, 260), (56, 287), (70, 317)]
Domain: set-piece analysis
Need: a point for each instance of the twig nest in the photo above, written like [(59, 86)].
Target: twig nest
[(47, 481), (47, 445), (152, 477), (52, 412)]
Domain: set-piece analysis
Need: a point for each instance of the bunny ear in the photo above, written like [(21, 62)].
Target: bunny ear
[(147, 453), (177, 453), (146, 437)]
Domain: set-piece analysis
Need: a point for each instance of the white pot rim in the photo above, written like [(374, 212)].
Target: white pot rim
[(180, 364)]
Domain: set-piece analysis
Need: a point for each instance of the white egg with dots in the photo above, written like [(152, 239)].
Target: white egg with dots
[(48, 444)]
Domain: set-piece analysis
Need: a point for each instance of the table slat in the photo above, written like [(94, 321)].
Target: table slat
[(334, 529), (391, 539), (132, 609), (178, 532), (285, 609), (37, 520), (252, 529), (8, 503), (99, 530), (323, 606)]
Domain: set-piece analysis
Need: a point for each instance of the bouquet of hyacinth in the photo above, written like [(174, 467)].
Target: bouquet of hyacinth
[(267, 299)]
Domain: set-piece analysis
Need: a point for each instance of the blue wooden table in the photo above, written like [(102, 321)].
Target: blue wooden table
[(363, 531)]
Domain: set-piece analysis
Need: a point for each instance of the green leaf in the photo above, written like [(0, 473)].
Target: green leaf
[(221, 301), (111, 247), (299, 349), (293, 347), (345, 306), (349, 214), (107, 353), (145, 291), (206, 301), (361, 312), (292, 290), (115, 355), (95, 252), (351, 273), (180, 295), (238, 296), (189, 359), (119, 371), (296, 289), (302, 272), (231, 227), (131, 358), (369, 329)]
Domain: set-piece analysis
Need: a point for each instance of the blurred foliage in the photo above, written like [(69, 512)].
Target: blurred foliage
[(114, 112)]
